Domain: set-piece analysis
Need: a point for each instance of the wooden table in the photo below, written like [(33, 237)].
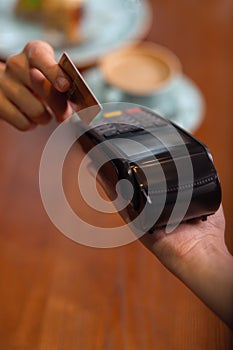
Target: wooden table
[(56, 294)]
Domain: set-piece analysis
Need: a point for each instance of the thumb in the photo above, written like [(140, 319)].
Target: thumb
[(40, 55)]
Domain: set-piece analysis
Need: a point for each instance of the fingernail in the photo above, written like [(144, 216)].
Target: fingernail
[(62, 83)]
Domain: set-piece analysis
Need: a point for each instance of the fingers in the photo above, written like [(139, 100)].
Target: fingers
[(32, 87), (14, 95), (12, 115), (40, 55), (25, 100), (56, 100), (47, 79)]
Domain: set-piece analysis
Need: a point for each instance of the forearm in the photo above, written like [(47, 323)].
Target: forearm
[(196, 253), (209, 274)]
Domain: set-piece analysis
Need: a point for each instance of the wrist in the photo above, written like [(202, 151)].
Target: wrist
[(208, 272)]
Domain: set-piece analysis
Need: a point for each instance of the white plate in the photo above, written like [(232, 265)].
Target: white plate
[(107, 25), (182, 103)]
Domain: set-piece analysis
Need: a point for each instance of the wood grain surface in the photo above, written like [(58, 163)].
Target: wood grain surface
[(58, 295)]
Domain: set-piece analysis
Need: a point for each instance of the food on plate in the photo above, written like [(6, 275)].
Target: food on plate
[(61, 15)]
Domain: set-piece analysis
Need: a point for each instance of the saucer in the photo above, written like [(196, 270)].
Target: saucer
[(182, 102)]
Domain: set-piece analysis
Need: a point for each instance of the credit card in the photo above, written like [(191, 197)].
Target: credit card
[(79, 94)]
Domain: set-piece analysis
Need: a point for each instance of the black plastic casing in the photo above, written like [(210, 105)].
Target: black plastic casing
[(203, 188)]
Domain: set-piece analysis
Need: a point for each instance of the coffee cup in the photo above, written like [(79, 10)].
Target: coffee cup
[(141, 74)]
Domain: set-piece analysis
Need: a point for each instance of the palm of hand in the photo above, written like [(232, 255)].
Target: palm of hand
[(186, 240)]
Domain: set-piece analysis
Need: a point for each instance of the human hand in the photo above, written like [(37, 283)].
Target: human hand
[(196, 253), (187, 240), (32, 87)]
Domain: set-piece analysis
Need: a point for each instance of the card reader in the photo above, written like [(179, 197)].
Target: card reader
[(172, 174)]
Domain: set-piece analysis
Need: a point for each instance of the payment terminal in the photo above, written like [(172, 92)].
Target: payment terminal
[(171, 173)]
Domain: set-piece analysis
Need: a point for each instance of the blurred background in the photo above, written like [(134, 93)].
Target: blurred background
[(57, 294)]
